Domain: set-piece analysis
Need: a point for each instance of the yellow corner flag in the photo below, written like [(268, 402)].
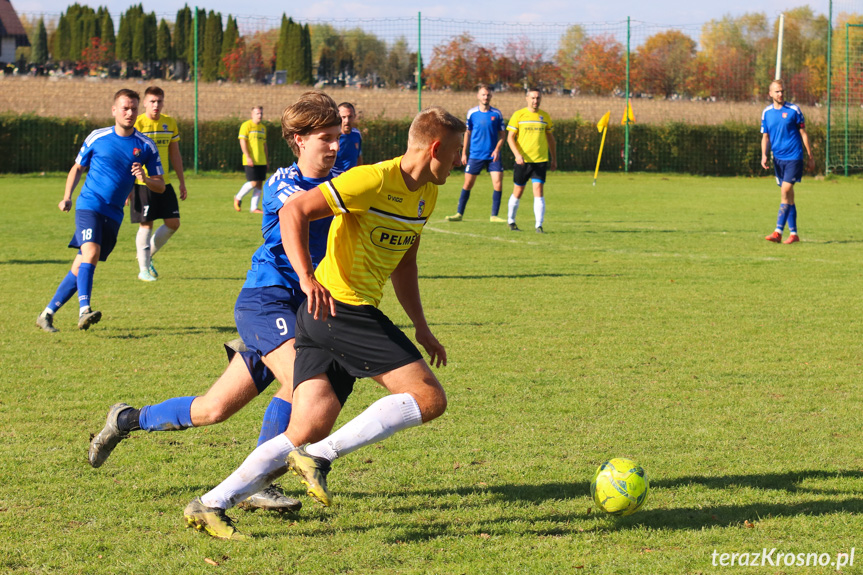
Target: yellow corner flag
[(628, 115), (602, 126), (603, 122)]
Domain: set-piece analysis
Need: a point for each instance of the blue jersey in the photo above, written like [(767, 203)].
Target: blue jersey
[(484, 128), (350, 148), (109, 158), (270, 265), (783, 127)]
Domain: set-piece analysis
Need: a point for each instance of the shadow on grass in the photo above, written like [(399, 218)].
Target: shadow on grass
[(33, 262), (152, 332), (515, 276)]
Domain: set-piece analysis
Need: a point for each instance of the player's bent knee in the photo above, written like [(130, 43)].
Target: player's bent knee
[(432, 402)]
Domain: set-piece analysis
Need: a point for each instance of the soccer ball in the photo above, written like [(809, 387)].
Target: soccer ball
[(620, 486)]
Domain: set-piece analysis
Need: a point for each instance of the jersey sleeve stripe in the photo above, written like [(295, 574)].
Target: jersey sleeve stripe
[(334, 194)]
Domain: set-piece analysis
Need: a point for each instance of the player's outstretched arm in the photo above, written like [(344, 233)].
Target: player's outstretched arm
[(765, 143), (406, 285), (177, 162), (294, 218), (71, 183)]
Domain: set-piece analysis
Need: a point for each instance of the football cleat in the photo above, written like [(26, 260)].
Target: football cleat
[(539, 230), (453, 218), (152, 270), (792, 239), (775, 237), (46, 323), (312, 471), (106, 440), (238, 205), (496, 220), (513, 227), (86, 319), (212, 520), (146, 276), (271, 499)]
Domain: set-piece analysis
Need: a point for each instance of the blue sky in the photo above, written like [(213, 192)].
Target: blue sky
[(672, 12)]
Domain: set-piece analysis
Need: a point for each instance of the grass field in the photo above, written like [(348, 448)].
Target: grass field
[(88, 98), (651, 321)]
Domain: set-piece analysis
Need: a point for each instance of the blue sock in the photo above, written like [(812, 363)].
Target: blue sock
[(85, 284), (276, 419), (783, 215), (462, 201), (65, 290), (495, 202), (171, 415), (792, 218)]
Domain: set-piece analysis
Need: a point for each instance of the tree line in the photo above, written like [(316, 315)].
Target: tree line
[(733, 59)]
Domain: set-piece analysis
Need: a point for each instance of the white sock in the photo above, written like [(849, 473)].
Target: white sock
[(382, 419), (256, 197), (83, 309), (48, 311), (539, 210), (513, 208), (263, 466), (247, 187), (159, 239), (142, 245)]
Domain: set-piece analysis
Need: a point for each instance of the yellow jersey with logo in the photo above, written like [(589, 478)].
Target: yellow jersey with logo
[(162, 131), (256, 137), (531, 128), (378, 220)]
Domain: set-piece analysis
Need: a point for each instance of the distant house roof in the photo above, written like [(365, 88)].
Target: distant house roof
[(10, 24)]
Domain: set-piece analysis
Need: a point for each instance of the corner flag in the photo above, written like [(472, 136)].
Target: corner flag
[(601, 126), (628, 115)]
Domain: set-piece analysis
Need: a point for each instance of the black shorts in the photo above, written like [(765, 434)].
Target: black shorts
[(535, 171), (256, 173), (360, 341), (148, 206)]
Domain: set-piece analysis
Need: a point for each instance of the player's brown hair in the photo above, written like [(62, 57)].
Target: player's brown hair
[(348, 105), (154, 90), (432, 124), (131, 94), (484, 87), (314, 110)]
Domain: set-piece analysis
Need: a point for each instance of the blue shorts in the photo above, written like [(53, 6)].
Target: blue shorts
[(790, 171), (475, 166), (266, 318), (93, 227)]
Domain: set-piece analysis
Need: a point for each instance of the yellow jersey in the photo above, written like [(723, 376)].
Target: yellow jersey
[(378, 220), (531, 128), (256, 136), (162, 131)]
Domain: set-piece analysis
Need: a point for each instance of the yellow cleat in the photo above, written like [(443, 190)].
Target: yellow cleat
[(312, 471), (212, 521), (496, 220), (455, 218)]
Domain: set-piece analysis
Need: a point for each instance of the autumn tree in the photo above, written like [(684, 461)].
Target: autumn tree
[(453, 64), (664, 64), (600, 67), (568, 51), (229, 43)]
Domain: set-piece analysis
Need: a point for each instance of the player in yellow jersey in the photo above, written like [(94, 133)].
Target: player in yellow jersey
[(341, 334), (145, 206), (253, 142), (532, 143)]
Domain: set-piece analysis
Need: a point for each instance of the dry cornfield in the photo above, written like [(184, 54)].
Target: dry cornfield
[(80, 97)]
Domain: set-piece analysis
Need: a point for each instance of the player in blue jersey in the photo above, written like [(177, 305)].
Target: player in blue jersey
[(265, 312), (350, 140), (114, 158), (783, 131), (482, 143)]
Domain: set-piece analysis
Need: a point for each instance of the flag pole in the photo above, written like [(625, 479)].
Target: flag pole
[(599, 157)]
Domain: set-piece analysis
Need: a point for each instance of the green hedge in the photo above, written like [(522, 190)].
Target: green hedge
[(36, 144)]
